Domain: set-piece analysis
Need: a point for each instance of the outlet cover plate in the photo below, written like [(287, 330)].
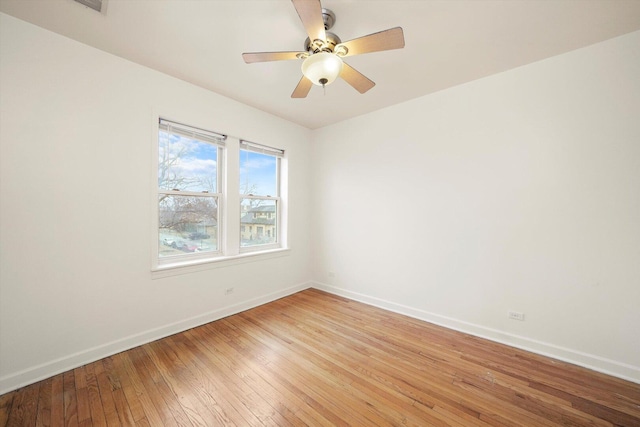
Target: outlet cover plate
[(516, 315)]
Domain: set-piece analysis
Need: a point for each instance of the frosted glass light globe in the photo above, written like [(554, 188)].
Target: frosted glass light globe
[(322, 68)]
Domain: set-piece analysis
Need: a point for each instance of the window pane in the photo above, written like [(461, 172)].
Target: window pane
[(187, 224), (186, 164), (258, 174), (258, 222)]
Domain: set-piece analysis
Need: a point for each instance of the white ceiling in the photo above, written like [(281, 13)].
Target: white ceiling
[(448, 42)]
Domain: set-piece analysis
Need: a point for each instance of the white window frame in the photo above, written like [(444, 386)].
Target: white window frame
[(229, 199), (277, 198), (208, 137)]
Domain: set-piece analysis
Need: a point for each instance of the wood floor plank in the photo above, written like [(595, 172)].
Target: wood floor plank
[(133, 403), (43, 417), (178, 379), (316, 359), (95, 403), (119, 398), (106, 395), (168, 411), (24, 408), (57, 401), (6, 401), (210, 392), (144, 396), (70, 399), (163, 394), (82, 396)]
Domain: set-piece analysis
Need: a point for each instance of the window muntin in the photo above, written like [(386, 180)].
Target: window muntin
[(259, 196), (189, 176)]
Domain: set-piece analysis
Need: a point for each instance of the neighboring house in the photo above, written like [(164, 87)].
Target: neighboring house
[(258, 225)]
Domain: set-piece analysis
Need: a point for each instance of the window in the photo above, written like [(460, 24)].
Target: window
[(259, 196), (189, 194), (197, 219)]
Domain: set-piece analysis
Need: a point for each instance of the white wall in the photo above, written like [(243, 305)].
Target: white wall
[(76, 139), (520, 191)]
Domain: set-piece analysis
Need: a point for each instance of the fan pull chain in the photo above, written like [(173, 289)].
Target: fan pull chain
[(324, 82)]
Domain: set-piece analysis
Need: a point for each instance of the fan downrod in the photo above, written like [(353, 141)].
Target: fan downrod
[(329, 18)]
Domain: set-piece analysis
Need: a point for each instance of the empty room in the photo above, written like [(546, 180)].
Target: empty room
[(294, 212)]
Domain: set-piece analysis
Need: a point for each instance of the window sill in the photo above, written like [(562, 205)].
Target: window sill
[(186, 267)]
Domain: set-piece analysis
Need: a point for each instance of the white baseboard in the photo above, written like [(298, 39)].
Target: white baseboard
[(593, 362), (72, 361)]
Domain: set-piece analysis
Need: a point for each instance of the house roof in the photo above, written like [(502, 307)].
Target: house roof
[(265, 209), (249, 219)]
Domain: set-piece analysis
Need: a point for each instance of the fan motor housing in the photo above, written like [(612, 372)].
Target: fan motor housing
[(321, 45), (328, 45)]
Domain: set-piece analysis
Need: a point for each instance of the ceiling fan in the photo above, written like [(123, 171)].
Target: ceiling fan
[(324, 50)]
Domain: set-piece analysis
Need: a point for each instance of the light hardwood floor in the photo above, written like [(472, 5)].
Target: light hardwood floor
[(320, 360)]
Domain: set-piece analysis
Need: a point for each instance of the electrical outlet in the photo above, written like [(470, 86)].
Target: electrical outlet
[(228, 291), (516, 315)]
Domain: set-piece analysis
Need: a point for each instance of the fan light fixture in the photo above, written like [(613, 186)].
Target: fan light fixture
[(322, 68)]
